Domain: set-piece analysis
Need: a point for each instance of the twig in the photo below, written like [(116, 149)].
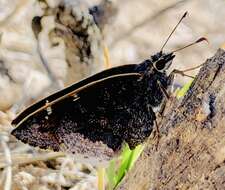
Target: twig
[(18, 159), (8, 162), (45, 64)]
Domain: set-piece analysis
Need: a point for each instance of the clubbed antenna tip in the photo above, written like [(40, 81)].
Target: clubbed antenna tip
[(184, 15), (191, 44), (202, 39)]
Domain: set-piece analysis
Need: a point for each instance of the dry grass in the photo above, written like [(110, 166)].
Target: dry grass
[(23, 167)]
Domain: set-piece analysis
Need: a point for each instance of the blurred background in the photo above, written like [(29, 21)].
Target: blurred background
[(46, 45)]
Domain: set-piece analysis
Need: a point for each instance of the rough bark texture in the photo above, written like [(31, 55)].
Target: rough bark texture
[(191, 150)]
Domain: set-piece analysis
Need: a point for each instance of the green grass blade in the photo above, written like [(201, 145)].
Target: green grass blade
[(181, 92)]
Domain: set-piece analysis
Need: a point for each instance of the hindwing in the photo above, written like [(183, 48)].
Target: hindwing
[(93, 119)]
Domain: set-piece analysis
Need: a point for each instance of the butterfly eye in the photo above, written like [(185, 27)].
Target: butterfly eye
[(164, 62), (160, 65)]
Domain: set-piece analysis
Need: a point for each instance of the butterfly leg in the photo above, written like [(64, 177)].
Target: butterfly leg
[(182, 73), (191, 69), (166, 93), (163, 90), (157, 134)]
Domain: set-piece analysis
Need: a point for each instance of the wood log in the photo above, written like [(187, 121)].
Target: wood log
[(191, 149)]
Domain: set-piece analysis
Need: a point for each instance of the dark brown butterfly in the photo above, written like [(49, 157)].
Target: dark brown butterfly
[(95, 116)]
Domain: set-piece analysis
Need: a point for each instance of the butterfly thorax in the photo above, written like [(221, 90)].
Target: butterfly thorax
[(151, 78)]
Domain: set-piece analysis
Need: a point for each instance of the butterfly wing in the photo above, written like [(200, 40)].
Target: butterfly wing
[(93, 120), (58, 95)]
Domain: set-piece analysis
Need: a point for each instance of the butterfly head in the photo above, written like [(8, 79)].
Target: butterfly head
[(162, 61)]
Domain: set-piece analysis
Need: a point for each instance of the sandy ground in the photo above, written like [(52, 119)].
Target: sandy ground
[(138, 30)]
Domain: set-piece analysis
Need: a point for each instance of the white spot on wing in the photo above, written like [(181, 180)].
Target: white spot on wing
[(49, 110), (76, 97)]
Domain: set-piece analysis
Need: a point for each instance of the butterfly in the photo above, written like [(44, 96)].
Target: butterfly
[(94, 117)]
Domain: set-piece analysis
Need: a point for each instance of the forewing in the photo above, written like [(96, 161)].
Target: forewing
[(58, 95), (94, 120)]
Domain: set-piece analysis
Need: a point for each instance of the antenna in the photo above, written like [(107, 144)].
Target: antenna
[(197, 41), (184, 15)]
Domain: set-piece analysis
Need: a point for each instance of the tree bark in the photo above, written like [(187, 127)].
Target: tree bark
[(191, 150)]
